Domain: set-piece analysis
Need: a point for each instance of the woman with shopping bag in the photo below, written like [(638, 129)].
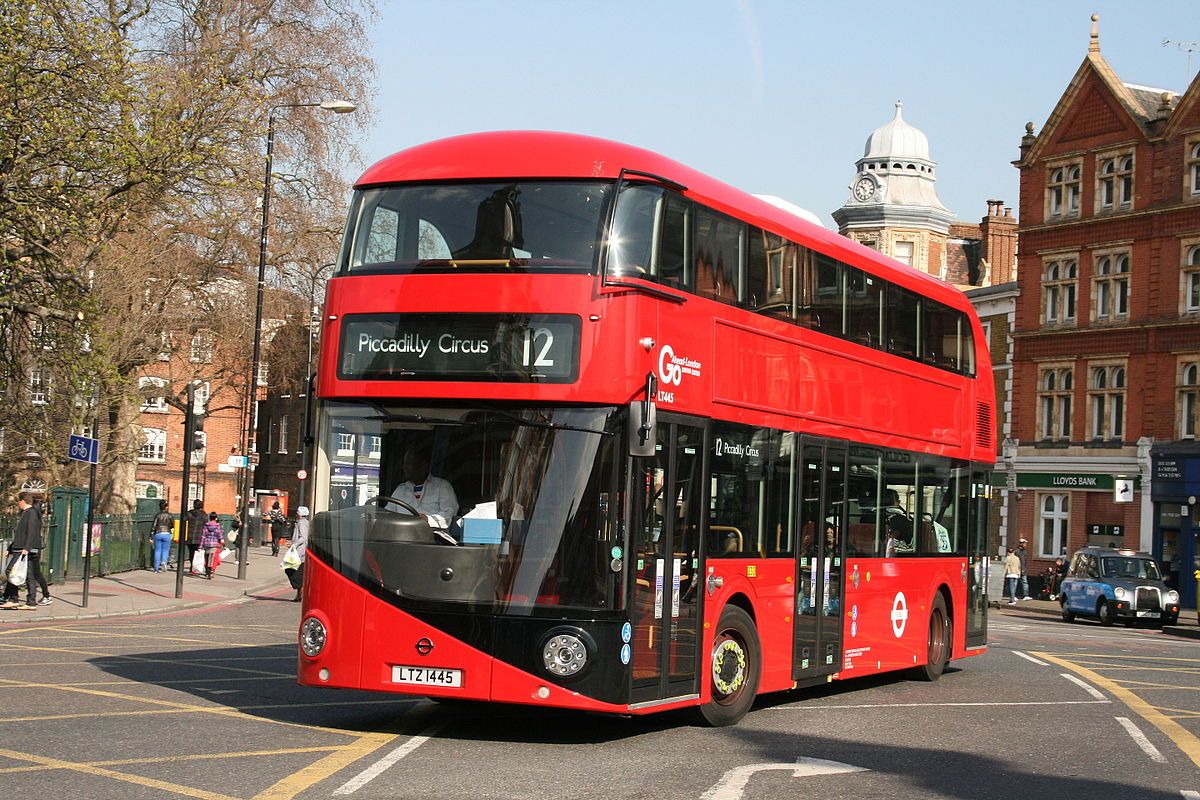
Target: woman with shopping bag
[(293, 559), (22, 565), (212, 536)]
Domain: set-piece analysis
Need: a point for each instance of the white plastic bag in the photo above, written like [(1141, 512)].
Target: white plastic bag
[(198, 560), (19, 571), (291, 559)]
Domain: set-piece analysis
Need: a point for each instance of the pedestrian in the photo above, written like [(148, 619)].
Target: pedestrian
[(195, 527), (1012, 573), (1023, 557), (212, 537), (27, 542), (293, 563), (160, 536), (278, 523), (235, 531), (1058, 570)]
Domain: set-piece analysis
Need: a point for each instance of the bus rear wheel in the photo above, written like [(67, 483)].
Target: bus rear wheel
[(937, 653), (734, 669)]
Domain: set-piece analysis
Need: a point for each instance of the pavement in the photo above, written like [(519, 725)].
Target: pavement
[(1187, 627), (145, 592)]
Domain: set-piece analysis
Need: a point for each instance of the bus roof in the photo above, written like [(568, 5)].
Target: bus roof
[(546, 154)]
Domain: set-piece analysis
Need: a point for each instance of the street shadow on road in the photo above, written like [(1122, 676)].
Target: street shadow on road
[(933, 767)]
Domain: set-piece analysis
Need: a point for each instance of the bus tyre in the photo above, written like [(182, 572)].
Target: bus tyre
[(937, 654), (1105, 614), (734, 670)]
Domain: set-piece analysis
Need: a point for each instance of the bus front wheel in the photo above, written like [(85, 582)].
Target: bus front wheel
[(733, 669)]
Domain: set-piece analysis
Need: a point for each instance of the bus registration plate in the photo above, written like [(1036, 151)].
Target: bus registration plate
[(1153, 614), (426, 676)]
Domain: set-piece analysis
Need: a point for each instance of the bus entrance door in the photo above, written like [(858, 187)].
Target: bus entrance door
[(818, 619), (668, 497)]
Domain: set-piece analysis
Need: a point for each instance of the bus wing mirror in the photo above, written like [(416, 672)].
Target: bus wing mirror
[(642, 428)]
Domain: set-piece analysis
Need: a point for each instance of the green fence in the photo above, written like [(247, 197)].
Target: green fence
[(119, 543)]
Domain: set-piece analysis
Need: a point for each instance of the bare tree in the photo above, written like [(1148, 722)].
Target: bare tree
[(131, 143)]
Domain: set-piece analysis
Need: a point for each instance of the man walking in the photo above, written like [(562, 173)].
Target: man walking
[(27, 541), (1023, 557)]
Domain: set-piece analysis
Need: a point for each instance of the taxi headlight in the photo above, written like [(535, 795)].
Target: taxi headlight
[(312, 637), (1120, 593), (1172, 596)]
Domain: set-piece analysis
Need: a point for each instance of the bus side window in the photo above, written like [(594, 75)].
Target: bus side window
[(718, 256), (826, 295), (903, 319), (672, 257)]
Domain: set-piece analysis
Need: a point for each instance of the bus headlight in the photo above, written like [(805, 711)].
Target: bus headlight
[(565, 652), (1119, 592), (1172, 596), (312, 637)]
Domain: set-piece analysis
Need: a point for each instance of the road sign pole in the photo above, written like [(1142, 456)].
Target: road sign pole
[(189, 433), (87, 552)]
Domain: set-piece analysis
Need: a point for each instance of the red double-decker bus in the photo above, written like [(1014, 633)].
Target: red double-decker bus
[(597, 431)]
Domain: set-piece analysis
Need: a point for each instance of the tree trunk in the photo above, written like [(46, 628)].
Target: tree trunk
[(118, 494)]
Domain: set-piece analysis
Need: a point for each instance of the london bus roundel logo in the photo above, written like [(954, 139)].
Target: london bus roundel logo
[(668, 371), (899, 614)]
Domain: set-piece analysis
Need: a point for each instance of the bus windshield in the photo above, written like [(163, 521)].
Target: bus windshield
[(515, 506), (496, 226), (1141, 569)]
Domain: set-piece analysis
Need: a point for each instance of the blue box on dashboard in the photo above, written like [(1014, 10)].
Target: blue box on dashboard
[(482, 531)]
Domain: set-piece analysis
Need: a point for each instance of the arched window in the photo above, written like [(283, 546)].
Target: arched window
[(1055, 514), (1189, 400)]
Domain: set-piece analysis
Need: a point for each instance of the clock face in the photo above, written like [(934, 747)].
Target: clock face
[(864, 189)]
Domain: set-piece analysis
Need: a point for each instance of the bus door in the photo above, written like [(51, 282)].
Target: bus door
[(978, 524), (818, 619), (667, 503)]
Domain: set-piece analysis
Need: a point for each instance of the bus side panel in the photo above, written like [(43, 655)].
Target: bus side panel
[(886, 624), (776, 373), (770, 586)]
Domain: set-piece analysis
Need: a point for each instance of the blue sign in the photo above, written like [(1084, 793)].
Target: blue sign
[(81, 448)]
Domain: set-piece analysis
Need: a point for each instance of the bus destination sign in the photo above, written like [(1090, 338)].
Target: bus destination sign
[(537, 348)]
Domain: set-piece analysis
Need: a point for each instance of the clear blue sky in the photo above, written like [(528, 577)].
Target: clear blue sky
[(774, 97)]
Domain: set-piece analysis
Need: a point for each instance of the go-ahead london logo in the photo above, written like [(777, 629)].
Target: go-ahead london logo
[(671, 369)]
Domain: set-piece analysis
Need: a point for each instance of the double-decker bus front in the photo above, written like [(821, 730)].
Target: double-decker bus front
[(469, 356)]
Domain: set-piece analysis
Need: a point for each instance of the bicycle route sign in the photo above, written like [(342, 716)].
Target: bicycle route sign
[(81, 448)]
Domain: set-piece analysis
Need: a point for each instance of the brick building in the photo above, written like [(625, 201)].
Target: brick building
[(1107, 324), (160, 460)]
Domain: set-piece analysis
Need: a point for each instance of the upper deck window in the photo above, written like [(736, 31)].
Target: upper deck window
[(516, 225)]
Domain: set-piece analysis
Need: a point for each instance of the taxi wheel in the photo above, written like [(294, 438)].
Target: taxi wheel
[(1105, 614), (1067, 614), (734, 667), (938, 650)]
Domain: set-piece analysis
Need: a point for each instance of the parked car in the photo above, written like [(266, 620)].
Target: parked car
[(1117, 584)]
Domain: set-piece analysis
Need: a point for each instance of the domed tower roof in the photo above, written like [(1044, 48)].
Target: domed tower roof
[(897, 139)]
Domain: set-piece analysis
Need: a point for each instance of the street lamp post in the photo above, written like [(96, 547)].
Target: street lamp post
[(337, 107), (305, 434)]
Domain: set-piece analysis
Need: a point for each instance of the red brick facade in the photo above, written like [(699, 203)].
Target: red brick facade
[(1109, 214)]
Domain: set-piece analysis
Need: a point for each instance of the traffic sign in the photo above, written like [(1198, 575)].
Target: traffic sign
[(301, 474), (239, 462), (82, 448)]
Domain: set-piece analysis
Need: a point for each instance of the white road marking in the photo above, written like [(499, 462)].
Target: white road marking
[(1028, 657), (733, 782), (806, 707), (1190, 794), (379, 767), (1087, 687), (1147, 747)]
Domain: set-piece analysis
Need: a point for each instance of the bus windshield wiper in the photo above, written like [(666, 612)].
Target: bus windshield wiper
[(388, 416), (529, 423)]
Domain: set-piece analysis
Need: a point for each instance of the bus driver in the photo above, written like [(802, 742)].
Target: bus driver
[(432, 496)]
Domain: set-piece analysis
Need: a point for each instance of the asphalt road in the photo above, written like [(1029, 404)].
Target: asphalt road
[(202, 704)]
